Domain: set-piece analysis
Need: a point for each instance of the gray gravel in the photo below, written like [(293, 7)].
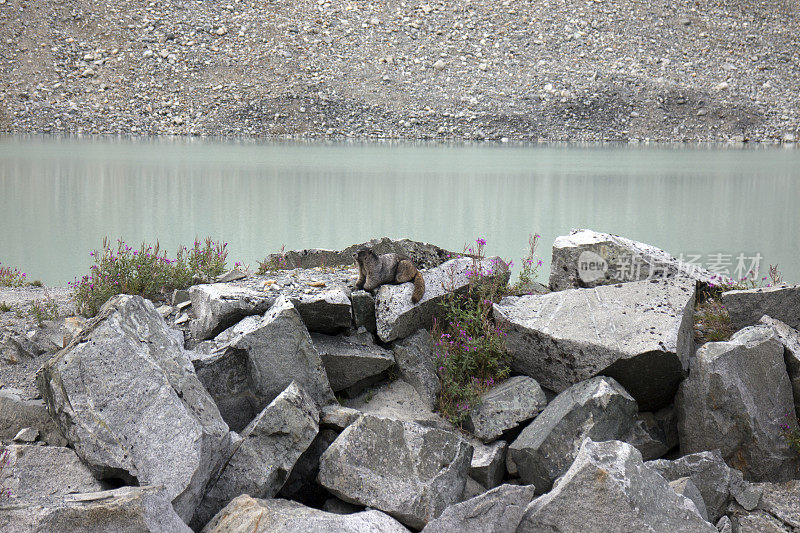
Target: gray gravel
[(465, 69)]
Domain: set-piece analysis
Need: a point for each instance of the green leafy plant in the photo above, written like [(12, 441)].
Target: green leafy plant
[(791, 432), (12, 277), (146, 271), (4, 307), (44, 309), (470, 348)]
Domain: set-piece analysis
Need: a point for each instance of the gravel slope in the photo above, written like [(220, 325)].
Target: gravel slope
[(483, 69)]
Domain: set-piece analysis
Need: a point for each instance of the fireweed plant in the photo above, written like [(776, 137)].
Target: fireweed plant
[(146, 271), (791, 432), (469, 347), (278, 262), (12, 277)]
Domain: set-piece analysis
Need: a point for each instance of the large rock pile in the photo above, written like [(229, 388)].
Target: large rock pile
[(135, 432)]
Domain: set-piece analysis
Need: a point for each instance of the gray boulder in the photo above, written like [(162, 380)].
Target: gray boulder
[(398, 318), (790, 338), (724, 404), (337, 416), (423, 255), (406, 470), (279, 350), (610, 488), (685, 487), (746, 307), (269, 448), (36, 473), (599, 409), (325, 311), (218, 306), (16, 414), (505, 407), (716, 481), (587, 258), (496, 511), (625, 331), (125, 395), (777, 509), (351, 365), (416, 362), (363, 310), (124, 510), (284, 516), (489, 463)]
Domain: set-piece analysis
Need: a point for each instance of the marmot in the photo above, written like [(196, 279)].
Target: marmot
[(375, 270)]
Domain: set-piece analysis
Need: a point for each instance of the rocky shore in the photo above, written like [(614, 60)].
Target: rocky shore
[(469, 69), (291, 401)]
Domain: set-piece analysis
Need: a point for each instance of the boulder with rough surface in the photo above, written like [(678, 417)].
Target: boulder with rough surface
[(124, 510), (610, 489), (505, 407), (351, 365), (725, 404), (625, 331), (685, 487), (746, 307), (496, 511), (599, 409), (269, 448), (218, 306), (398, 318), (587, 258), (406, 470), (285, 516), (489, 463), (35, 473), (717, 482), (790, 338), (777, 509), (17, 413), (363, 310), (125, 395), (416, 362)]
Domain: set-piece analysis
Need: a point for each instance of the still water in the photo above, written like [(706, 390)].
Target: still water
[(60, 197)]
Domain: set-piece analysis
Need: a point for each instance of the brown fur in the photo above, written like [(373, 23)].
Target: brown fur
[(376, 270)]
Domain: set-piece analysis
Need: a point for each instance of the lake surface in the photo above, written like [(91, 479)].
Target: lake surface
[(60, 197)]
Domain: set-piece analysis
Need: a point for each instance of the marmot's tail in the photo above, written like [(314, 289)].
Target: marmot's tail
[(419, 287)]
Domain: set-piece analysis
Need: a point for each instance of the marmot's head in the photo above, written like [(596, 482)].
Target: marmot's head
[(362, 254)]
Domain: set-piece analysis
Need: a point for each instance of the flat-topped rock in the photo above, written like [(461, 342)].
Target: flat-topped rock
[(725, 404), (587, 258), (423, 255), (506, 406), (285, 516), (416, 362), (625, 331), (406, 470), (496, 511), (398, 318), (125, 396), (488, 464), (351, 364), (746, 307), (322, 296)]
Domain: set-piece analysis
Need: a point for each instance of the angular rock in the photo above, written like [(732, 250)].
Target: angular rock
[(790, 338), (351, 365), (363, 310), (301, 484), (724, 404), (398, 400), (625, 331), (226, 377), (746, 307), (125, 395), (505, 407), (496, 511), (776, 511), (123, 510), (278, 350), (36, 473), (609, 485), (724, 525), (328, 311), (337, 416), (416, 362), (398, 318), (423, 255), (284, 516), (489, 463), (599, 409), (587, 258), (408, 471), (686, 488), (218, 306), (16, 414), (715, 480), (26, 435)]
